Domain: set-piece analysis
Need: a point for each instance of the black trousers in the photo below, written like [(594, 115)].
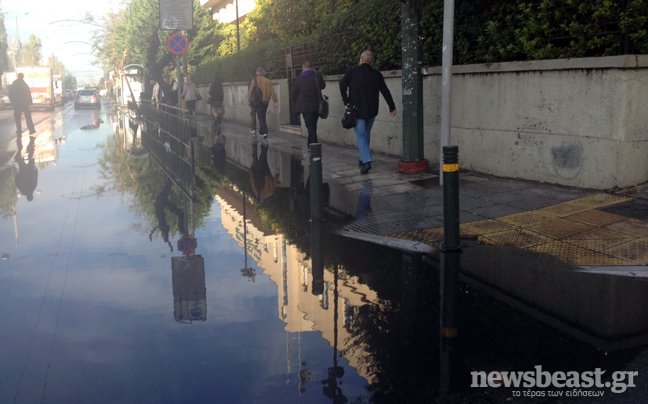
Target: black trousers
[(18, 111), (310, 120)]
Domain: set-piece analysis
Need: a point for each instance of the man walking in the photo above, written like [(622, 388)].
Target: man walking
[(363, 84), (21, 100), (306, 93), (260, 104), (253, 122)]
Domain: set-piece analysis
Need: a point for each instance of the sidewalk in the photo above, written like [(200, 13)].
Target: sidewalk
[(586, 228)]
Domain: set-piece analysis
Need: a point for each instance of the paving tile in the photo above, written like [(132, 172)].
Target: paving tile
[(560, 228), (484, 227), (565, 209), (596, 218), (526, 219), (631, 227), (496, 211), (636, 250)]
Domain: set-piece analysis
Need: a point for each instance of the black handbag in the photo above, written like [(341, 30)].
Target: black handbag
[(323, 102), (349, 117)]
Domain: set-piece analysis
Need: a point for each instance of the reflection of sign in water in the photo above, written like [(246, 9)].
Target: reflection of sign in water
[(189, 291), (176, 14)]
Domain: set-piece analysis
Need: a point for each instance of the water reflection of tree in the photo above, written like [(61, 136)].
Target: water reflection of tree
[(7, 191), (144, 180), (398, 349)]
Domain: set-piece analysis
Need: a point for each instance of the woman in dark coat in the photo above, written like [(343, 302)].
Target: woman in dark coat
[(216, 98), (306, 93)]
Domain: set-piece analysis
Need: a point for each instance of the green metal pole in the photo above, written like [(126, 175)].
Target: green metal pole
[(315, 158), (412, 81)]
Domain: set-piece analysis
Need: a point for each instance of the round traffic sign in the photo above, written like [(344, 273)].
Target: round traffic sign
[(177, 44)]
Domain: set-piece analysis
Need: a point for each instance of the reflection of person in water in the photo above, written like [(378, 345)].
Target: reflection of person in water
[(161, 203), (27, 176), (218, 154), (263, 182)]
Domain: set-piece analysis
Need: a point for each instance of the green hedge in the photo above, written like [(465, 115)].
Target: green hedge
[(486, 31)]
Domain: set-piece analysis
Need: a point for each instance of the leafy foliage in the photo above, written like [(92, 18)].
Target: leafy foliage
[(32, 52)]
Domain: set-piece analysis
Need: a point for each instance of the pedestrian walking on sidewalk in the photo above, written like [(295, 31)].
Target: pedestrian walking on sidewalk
[(253, 122), (260, 103), (21, 100), (190, 95), (306, 93), (363, 84), (216, 99)]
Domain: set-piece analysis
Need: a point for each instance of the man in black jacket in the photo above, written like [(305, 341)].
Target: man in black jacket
[(306, 93), (21, 100), (364, 83)]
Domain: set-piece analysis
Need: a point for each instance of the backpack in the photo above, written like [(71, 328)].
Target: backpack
[(256, 98)]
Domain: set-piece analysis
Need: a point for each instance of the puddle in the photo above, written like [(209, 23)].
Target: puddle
[(224, 291)]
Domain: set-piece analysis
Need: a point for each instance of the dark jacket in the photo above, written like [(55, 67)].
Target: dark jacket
[(364, 83), (306, 91), (216, 93), (20, 94)]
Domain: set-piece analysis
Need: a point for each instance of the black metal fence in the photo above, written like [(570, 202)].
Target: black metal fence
[(170, 137)]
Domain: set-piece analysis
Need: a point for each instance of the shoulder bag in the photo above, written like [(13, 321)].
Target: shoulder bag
[(323, 101), (349, 117)]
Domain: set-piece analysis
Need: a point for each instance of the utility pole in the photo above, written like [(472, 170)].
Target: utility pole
[(446, 79), (412, 78)]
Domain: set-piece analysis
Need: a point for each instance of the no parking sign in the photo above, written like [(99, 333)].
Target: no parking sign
[(177, 44)]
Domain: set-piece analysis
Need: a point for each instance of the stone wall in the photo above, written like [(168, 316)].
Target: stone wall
[(578, 122)]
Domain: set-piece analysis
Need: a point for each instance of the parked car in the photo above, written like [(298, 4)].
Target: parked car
[(4, 95), (87, 98)]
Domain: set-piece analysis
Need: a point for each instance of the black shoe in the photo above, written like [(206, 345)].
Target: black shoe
[(365, 168), (359, 163)]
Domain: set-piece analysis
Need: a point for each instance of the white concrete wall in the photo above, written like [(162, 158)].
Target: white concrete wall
[(236, 103), (578, 122)]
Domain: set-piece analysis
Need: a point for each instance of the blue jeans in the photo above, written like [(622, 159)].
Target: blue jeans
[(261, 117), (363, 138)]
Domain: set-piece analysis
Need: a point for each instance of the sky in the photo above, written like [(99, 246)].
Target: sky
[(43, 19)]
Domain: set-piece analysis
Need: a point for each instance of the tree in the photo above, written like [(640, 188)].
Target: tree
[(56, 65), (32, 53), (134, 36), (4, 58)]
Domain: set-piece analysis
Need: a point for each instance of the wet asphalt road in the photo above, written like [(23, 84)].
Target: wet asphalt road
[(8, 126)]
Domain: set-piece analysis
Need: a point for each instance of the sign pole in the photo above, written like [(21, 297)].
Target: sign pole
[(178, 80)]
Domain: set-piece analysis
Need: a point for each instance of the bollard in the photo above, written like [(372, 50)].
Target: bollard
[(451, 198), (315, 161), (317, 257)]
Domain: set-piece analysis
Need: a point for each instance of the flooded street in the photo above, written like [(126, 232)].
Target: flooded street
[(116, 287)]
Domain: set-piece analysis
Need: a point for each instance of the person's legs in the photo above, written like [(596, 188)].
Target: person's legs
[(18, 119), (191, 106), (261, 116), (310, 120), (28, 120), (253, 123), (362, 138)]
